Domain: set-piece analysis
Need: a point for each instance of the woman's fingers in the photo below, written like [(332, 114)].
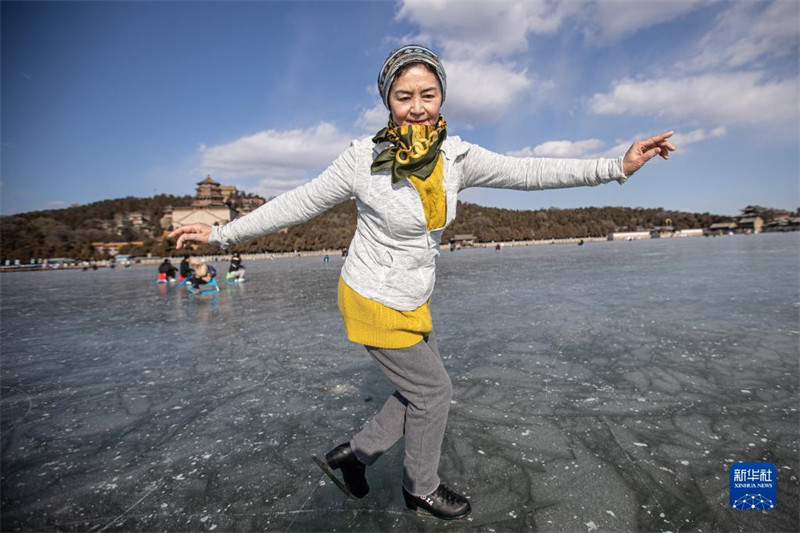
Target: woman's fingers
[(658, 140), (650, 154), (641, 152), (660, 143), (191, 233)]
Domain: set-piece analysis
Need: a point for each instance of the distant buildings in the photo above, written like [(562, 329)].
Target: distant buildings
[(134, 221), (113, 248), (213, 204), (463, 239), (629, 235), (751, 221), (722, 228), (782, 224)]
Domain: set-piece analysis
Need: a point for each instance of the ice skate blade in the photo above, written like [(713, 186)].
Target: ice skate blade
[(324, 466)]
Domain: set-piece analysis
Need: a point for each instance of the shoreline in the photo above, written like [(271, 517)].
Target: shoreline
[(151, 261)]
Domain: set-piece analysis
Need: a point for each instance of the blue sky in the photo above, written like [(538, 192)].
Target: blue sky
[(109, 99)]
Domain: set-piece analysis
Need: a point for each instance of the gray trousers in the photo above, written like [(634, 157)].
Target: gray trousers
[(417, 410)]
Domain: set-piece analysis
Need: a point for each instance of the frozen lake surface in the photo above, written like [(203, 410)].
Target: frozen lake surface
[(606, 387)]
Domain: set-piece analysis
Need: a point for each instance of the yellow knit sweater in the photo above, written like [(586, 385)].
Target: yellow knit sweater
[(374, 324)]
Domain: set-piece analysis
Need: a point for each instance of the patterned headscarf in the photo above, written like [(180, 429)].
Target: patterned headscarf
[(410, 53)]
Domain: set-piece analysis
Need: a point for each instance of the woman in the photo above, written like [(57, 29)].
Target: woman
[(405, 181), (201, 273)]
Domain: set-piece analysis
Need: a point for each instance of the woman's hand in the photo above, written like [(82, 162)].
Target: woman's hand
[(641, 152), (197, 232)]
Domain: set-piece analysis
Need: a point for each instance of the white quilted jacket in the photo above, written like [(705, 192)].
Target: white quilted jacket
[(392, 258)]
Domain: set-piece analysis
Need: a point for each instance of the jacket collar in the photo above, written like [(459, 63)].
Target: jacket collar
[(454, 147)]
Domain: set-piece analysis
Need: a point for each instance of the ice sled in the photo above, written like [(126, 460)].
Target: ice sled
[(230, 278), (210, 287)]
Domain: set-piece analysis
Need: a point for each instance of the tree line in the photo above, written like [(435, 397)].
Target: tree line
[(69, 232)]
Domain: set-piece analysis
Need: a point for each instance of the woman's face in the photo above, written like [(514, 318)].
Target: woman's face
[(415, 97)]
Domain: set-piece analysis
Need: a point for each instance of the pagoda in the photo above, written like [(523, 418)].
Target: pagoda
[(209, 206), (209, 194)]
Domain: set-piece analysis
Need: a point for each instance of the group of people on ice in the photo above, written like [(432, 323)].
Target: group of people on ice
[(195, 271)]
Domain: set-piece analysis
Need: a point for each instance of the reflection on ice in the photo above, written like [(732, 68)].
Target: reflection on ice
[(604, 387)]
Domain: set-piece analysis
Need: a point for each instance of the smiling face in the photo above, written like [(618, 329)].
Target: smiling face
[(415, 96)]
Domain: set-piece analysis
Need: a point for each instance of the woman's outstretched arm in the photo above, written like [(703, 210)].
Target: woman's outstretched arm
[(333, 186), (483, 168)]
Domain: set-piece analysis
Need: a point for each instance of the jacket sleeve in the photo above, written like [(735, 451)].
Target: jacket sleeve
[(483, 168), (332, 187)]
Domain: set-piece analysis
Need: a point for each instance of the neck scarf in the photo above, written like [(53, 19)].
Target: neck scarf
[(414, 149)]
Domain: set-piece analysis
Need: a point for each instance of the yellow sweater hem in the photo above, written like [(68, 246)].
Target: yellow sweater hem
[(373, 324)]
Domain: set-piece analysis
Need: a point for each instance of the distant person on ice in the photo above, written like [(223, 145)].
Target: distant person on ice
[(236, 271), (201, 273), (167, 270), (185, 270), (405, 181)]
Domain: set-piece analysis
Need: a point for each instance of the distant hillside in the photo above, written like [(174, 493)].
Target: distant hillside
[(494, 224), (70, 232)]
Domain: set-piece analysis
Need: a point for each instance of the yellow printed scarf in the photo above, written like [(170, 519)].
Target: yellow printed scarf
[(414, 149)]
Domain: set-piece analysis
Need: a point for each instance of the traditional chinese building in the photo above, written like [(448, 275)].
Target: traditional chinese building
[(213, 204), (750, 221), (209, 207)]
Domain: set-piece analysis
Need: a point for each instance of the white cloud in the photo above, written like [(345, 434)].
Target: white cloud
[(592, 148), (482, 30), (560, 149), (475, 40), (698, 135), (724, 98), (270, 187), (282, 159), (620, 147), (678, 139), (482, 90), (372, 119), (746, 34), (478, 41), (611, 20), (499, 29), (273, 150)]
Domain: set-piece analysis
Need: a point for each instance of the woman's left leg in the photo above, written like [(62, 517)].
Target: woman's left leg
[(382, 431), (417, 410)]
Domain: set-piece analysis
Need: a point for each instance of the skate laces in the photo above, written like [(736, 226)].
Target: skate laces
[(446, 494)]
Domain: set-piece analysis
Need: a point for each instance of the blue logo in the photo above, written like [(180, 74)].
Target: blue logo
[(753, 486)]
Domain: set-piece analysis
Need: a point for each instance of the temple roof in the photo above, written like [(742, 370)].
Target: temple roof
[(208, 181)]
